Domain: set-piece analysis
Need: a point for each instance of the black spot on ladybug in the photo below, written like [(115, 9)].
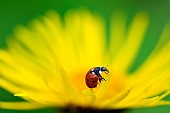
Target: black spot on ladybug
[(94, 81), (87, 79)]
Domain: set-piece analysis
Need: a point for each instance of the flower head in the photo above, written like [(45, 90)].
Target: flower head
[(46, 64)]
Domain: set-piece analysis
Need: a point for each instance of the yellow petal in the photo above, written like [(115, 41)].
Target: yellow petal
[(133, 42)]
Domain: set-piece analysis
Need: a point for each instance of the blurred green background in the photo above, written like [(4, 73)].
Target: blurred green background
[(14, 12)]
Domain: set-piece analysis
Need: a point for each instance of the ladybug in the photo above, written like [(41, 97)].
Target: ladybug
[(94, 75)]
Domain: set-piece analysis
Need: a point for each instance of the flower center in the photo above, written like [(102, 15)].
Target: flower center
[(78, 79)]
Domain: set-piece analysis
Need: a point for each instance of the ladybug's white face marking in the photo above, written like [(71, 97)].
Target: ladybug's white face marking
[(92, 71), (100, 71)]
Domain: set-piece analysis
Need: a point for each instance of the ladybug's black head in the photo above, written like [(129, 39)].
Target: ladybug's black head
[(104, 69)]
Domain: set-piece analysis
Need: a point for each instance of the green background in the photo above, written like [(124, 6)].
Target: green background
[(14, 12)]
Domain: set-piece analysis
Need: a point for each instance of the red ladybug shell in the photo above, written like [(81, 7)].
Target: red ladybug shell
[(91, 80)]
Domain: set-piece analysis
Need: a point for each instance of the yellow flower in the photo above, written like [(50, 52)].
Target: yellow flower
[(46, 64)]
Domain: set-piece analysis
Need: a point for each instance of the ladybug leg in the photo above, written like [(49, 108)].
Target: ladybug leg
[(101, 78), (107, 71)]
